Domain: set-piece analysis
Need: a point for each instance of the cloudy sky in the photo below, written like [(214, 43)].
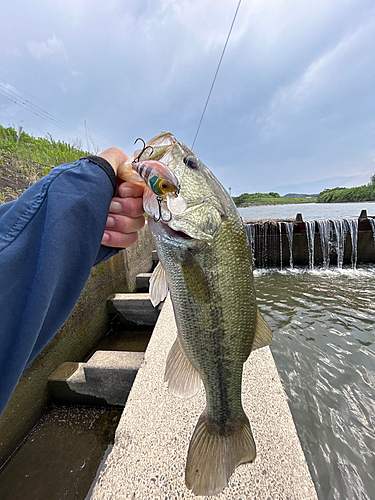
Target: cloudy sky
[(292, 109)]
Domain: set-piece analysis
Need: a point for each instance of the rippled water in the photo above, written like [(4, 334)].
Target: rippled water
[(323, 324)]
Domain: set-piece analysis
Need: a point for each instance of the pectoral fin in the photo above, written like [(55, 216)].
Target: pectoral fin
[(263, 334), (183, 379), (158, 285), (195, 279)]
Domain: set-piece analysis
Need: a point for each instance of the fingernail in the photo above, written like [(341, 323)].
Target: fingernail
[(126, 191), (115, 207), (110, 222), (105, 237)]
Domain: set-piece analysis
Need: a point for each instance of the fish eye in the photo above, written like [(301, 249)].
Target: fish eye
[(191, 161)]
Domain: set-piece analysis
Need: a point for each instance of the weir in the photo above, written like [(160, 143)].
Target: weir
[(323, 243)]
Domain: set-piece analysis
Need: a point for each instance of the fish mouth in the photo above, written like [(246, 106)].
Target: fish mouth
[(175, 234), (163, 228)]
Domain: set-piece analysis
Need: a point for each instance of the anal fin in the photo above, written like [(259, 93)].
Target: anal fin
[(183, 379)]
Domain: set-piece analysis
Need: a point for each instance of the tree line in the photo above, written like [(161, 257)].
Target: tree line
[(342, 195), (335, 195)]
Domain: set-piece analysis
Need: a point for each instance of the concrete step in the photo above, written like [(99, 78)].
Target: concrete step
[(134, 308), (142, 282), (106, 379)]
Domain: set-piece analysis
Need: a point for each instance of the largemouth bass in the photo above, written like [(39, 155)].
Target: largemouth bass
[(205, 262)]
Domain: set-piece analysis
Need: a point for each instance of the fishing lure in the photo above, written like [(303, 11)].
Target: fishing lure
[(157, 176)]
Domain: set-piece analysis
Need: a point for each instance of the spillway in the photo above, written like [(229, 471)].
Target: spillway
[(318, 243)]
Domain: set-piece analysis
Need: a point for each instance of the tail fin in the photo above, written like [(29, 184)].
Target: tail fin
[(212, 457)]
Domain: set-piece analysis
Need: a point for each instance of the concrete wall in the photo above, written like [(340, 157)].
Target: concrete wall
[(83, 330)]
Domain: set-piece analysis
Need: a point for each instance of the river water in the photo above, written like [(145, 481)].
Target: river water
[(309, 211), (323, 326)]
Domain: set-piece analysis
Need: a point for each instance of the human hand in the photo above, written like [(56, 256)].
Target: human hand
[(125, 216)]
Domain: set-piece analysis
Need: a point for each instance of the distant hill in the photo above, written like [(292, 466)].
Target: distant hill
[(299, 195), (272, 198)]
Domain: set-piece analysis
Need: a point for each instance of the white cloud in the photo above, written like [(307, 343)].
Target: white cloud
[(51, 47), (320, 93)]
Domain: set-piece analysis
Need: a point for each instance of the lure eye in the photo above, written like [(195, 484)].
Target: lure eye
[(191, 162), (164, 185)]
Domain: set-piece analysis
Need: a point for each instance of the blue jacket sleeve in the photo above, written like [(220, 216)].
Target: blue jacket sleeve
[(49, 240)]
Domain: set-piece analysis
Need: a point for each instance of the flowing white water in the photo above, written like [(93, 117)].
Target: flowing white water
[(353, 228), (289, 232), (325, 240), (372, 223), (250, 231), (281, 245), (340, 227), (310, 234)]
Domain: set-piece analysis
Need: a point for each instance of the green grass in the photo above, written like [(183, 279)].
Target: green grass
[(44, 150)]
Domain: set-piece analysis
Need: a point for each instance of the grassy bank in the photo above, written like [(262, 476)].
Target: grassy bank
[(25, 159), (42, 150)]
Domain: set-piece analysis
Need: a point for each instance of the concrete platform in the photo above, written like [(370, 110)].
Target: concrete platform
[(148, 458)]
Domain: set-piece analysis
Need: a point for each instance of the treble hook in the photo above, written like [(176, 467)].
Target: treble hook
[(143, 150), (160, 218)]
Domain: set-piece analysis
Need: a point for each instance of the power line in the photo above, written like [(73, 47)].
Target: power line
[(36, 110), (217, 71)]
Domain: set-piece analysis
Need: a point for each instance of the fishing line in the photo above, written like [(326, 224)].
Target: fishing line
[(217, 70)]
